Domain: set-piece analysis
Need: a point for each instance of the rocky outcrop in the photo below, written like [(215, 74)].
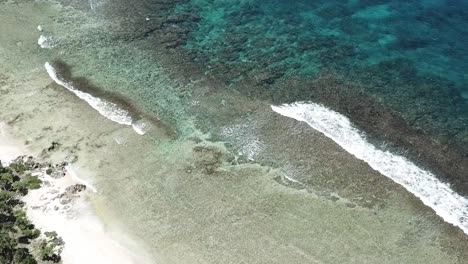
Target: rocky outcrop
[(50, 175)]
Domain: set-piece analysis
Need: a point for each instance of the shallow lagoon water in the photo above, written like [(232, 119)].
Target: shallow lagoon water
[(274, 50), (261, 188)]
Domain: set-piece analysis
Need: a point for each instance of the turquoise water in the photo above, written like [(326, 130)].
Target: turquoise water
[(407, 57), (411, 54), (397, 69)]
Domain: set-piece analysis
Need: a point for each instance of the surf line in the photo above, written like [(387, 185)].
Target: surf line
[(449, 205), (107, 109)]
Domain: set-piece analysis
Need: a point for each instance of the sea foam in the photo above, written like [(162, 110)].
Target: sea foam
[(140, 127), (449, 205), (45, 42), (107, 109)]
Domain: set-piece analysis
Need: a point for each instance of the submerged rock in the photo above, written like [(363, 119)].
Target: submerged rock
[(53, 146), (208, 158)]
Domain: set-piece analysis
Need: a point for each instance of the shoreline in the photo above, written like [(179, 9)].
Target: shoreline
[(10, 148), (74, 221), (189, 201)]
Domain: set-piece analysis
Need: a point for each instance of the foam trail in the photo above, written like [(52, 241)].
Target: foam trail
[(449, 205), (45, 42), (140, 127), (107, 109)]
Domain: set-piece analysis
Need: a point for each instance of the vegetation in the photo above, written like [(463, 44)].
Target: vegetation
[(17, 233)]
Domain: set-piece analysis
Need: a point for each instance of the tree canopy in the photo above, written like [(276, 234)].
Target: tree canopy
[(16, 231)]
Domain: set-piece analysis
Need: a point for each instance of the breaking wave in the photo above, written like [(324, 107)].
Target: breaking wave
[(107, 109), (46, 42), (449, 205), (140, 127)]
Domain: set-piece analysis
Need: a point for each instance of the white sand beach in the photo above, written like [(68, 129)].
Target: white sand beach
[(86, 238)]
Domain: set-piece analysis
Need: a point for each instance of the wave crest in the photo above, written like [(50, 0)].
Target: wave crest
[(449, 205), (107, 109)]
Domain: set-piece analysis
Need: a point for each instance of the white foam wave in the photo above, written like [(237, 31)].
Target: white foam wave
[(251, 145), (449, 205), (46, 42), (140, 127), (107, 109), (94, 4)]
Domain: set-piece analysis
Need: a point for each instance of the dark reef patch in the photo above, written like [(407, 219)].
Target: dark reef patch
[(64, 72), (396, 68), (401, 84)]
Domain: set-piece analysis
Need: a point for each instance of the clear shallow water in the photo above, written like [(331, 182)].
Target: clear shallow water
[(185, 210), (261, 48), (396, 69), (452, 207), (410, 55)]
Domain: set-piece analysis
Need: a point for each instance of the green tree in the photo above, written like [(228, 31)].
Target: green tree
[(7, 247), (6, 180), (26, 183), (18, 167), (22, 256), (16, 231), (47, 250)]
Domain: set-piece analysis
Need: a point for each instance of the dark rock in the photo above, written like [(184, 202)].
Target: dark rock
[(65, 200), (53, 146), (208, 158), (76, 188)]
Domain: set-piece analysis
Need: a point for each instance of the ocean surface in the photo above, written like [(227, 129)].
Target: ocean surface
[(385, 81), (396, 69), (409, 57)]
